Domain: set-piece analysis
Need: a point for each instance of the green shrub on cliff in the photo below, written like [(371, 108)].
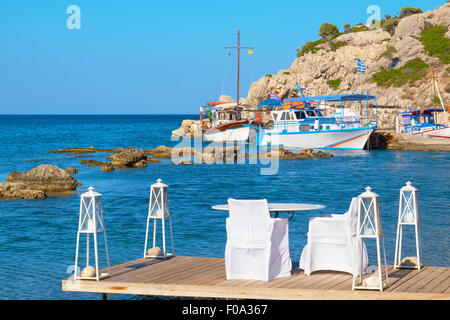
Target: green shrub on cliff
[(407, 11), (310, 46), (435, 43), (328, 30), (389, 52), (359, 28), (389, 25), (436, 100), (334, 83), (337, 45), (412, 71)]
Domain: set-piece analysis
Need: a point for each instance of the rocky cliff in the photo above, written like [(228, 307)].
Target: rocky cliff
[(331, 68)]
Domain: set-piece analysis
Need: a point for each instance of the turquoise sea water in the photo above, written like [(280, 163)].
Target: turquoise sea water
[(37, 238)]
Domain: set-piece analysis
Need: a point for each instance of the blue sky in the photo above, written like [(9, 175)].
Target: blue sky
[(143, 57)]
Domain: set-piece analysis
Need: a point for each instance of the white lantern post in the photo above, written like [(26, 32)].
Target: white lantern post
[(90, 222), (369, 227), (159, 209), (408, 214)]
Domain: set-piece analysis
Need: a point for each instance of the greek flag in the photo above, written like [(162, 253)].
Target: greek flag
[(360, 65), (274, 96)]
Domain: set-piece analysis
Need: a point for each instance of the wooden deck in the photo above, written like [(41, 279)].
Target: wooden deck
[(205, 278)]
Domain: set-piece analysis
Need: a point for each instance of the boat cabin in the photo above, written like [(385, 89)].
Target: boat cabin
[(219, 113), (415, 121), (314, 119)]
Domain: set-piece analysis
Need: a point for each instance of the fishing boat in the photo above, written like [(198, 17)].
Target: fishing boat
[(226, 124), (422, 123), (311, 122)]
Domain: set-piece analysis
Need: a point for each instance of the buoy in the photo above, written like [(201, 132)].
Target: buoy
[(258, 117)]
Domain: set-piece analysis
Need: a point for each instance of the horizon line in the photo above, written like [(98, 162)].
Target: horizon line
[(95, 114)]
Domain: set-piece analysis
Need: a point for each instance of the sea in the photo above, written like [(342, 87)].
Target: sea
[(38, 237)]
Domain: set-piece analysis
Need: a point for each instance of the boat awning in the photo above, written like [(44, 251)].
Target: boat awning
[(222, 107), (211, 108), (215, 103), (423, 111), (333, 98), (270, 103)]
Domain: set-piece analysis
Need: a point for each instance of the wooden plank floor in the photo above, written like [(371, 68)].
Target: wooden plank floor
[(205, 278)]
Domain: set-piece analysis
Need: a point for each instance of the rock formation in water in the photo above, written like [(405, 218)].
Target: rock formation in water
[(37, 183), (46, 177), (72, 170), (130, 157), (16, 191)]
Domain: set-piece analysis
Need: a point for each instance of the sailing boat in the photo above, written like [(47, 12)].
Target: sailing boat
[(226, 124)]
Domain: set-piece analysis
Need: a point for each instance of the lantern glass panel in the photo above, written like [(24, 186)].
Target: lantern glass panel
[(166, 203), (156, 202), (99, 213), (367, 217), (407, 207), (86, 216), (89, 213)]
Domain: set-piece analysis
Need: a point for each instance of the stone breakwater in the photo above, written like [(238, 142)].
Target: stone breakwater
[(407, 142)]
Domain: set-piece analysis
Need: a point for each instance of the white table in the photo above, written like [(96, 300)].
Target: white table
[(290, 208)]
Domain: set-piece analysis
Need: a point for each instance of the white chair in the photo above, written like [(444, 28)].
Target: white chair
[(333, 245), (257, 245)]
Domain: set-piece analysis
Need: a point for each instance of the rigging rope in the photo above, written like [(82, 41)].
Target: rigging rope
[(227, 60)]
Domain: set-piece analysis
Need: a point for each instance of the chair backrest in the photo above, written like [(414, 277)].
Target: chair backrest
[(352, 214), (250, 220)]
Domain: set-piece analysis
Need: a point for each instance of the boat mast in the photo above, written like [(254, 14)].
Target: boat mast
[(238, 67)]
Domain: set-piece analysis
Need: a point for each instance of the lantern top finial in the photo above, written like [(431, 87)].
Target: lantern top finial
[(369, 193), (159, 184), (409, 187), (91, 193)]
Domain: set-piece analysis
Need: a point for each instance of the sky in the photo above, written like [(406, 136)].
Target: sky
[(154, 57)]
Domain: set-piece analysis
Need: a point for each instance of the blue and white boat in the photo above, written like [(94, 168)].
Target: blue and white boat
[(310, 122), (421, 123)]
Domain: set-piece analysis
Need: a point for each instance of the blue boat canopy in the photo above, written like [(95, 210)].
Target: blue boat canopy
[(336, 98), (423, 111), (271, 103)]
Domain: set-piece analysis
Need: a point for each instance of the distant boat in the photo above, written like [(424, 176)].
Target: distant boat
[(422, 123)]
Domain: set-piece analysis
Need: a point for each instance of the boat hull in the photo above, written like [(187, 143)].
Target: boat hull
[(345, 139), (227, 133), (439, 133)]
